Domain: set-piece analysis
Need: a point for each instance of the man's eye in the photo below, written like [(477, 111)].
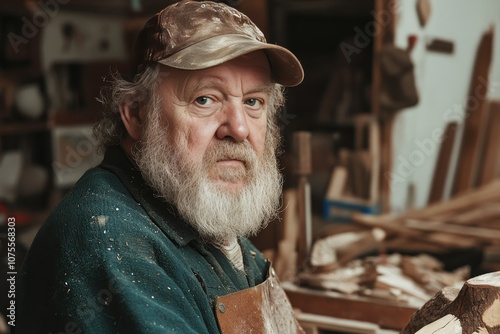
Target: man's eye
[(253, 102), (203, 100)]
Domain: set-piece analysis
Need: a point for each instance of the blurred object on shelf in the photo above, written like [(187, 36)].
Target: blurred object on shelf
[(34, 180), (8, 88), (29, 101), (398, 87), (11, 165), (354, 181), (423, 11)]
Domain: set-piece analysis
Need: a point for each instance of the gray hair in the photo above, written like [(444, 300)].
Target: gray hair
[(137, 93), (141, 93)]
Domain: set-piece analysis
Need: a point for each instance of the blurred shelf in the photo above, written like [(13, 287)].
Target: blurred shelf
[(23, 127), (80, 117)]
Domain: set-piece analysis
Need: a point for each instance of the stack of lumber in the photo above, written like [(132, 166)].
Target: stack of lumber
[(479, 155), (469, 220)]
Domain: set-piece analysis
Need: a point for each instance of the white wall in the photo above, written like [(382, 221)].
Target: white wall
[(443, 84)]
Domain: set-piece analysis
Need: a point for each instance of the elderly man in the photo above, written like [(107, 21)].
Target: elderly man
[(153, 239)]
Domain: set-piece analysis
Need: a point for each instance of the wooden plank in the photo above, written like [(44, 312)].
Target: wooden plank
[(485, 234), (489, 192), (308, 320), (475, 117), (486, 194), (302, 146), (337, 183), (359, 173), (387, 314), (443, 163), (375, 154), (490, 165), (477, 215), (386, 163), (384, 34)]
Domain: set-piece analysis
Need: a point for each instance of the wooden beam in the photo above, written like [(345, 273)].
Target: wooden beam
[(315, 322), (443, 164), (477, 215), (481, 233), (490, 165), (489, 192), (475, 118)]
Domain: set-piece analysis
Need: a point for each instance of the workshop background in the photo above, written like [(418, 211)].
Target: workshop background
[(391, 144)]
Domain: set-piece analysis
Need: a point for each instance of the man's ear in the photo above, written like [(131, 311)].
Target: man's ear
[(131, 118)]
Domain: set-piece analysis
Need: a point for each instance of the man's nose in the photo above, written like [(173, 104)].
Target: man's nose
[(234, 123)]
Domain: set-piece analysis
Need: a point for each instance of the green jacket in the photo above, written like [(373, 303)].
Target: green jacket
[(113, 258)]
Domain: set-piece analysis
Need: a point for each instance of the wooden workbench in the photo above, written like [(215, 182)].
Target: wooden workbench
[(386, 314)]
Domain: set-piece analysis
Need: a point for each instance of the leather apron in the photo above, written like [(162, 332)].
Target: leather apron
[(262, 309)]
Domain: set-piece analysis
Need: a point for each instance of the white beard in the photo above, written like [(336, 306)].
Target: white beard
[(218, 215)]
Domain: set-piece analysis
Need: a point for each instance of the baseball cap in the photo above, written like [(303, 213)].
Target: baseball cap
[(194, 35)]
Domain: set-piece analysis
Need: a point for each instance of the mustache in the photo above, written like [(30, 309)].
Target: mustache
[(230, 150)]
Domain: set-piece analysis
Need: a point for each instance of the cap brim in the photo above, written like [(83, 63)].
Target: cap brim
[(285, 67)]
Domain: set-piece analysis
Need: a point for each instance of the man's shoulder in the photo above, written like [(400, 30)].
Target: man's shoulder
[(98, 199), (98, 189)]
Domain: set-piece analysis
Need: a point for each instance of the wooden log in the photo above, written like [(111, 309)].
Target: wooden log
[(449, 324), (476, 307), (333, 251), (432, 310)]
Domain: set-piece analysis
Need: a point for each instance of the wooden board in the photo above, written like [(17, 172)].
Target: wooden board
[(384, 34), (386, 314), (475, 117), (443, 164), (474, 208), (489, 168)]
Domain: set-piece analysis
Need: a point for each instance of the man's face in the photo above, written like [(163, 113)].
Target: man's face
[(228, 102), (208, 149)]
